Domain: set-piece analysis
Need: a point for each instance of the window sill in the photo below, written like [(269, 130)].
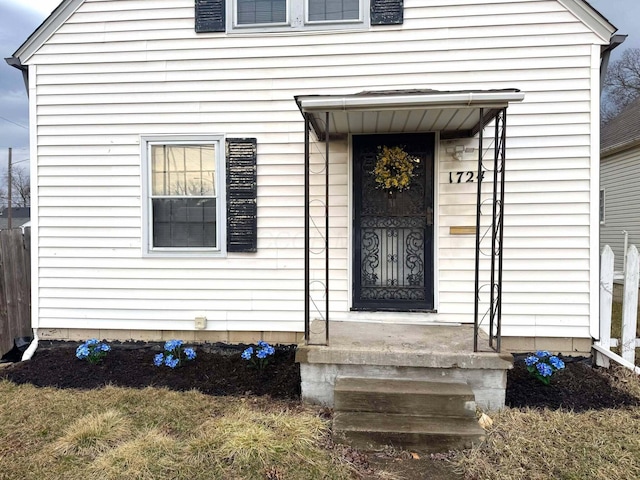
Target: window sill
[(191, 253), (311, 29)]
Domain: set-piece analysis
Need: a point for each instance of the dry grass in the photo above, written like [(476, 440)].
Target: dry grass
[(536, 445), (93, 434), (616, 327), (116, 433)]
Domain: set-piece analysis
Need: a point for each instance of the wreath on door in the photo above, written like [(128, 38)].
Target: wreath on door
[(394, 168)]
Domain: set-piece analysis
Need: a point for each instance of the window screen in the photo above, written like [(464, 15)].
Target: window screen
[(183, 195), (252, 12), (326, 10)]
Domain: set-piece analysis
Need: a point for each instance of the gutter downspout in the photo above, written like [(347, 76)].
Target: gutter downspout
[(31, 349), (605, 55), (16, 63)]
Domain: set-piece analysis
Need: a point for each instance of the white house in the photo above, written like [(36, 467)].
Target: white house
[(168, 162)]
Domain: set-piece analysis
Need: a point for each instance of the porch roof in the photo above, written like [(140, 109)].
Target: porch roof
[(455, 114)]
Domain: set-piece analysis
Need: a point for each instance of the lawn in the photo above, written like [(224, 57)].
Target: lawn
[(105, 421), (155, 433), (537, 444)]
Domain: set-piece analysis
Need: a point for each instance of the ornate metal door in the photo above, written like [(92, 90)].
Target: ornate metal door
[(393, 230)]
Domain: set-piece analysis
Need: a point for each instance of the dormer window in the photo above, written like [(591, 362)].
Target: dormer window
[(261, 12), (258, 16), (296, 14), (333, 10)]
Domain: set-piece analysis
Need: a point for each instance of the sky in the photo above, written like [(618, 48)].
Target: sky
[(19, 18)]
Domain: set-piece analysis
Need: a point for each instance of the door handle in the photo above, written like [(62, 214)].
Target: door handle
[(429, 216)]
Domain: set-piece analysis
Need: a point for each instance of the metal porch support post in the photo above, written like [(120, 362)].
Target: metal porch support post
[(497, 229), (326, 227), (494, 227), (478, 213), (307, 273), (503, 154)]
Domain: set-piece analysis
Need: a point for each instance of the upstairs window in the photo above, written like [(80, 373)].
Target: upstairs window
[(285, 15), (297, 14), (332, 10), (261, 12)]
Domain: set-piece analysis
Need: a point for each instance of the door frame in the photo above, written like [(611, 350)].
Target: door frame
[(356, 313)]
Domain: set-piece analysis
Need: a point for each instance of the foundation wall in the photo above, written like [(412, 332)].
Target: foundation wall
[(189, 336), (573, 347)]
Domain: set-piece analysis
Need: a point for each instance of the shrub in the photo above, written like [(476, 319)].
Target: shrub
[(92, 350), (174, 354)]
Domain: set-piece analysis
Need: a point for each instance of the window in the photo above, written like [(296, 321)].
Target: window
[(602, 206), (284, 15), (184, 196), (259, 12), (296, 13), (333, 10)]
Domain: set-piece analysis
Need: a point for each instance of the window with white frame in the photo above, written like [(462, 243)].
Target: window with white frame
[(602, 206), (296, 13), (184, 195)]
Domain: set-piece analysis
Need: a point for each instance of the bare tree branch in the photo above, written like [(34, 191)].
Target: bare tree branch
[(622, 85), (21, 186)]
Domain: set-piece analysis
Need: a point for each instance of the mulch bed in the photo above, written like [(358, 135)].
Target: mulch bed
[(577, 387), (219, 370)]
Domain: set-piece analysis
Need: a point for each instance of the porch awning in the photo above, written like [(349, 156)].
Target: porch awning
[(455, 114)]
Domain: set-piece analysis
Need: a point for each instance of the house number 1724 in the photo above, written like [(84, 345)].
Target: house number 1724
[(464, 177)]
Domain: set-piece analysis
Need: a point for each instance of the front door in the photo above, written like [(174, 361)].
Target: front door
[(393, 228)]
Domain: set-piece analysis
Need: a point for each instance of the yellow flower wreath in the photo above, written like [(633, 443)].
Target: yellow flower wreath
[(394, 168)]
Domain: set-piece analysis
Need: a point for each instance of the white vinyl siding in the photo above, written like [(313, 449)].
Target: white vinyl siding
[(119, 69), (620, 178)]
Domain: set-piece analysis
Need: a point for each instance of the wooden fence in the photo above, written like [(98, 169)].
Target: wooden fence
[(628, 341), (15, 286)]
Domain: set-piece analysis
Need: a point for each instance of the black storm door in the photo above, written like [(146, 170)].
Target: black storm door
[(393, 230)]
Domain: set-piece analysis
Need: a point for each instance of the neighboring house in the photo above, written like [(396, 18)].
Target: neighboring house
[(19, 216), (169, 156), (620, 182)]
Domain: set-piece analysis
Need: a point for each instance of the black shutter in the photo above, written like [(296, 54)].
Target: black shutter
[(210, 16), (387, 12), (242, 209)]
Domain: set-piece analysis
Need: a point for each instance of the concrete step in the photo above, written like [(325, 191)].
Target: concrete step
[(412, 397), (427, 416), (373, 431)]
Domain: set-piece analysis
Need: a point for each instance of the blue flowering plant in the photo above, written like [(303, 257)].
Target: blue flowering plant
[(92, 351), (259, 356), (174, 355), (542, 365)]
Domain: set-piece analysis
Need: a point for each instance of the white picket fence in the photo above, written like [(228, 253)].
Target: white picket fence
[(628, 343)]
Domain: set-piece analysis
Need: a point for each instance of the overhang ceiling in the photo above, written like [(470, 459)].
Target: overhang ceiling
[(455, 114)]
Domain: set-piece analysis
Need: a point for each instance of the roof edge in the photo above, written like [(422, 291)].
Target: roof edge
[(46, 29), (591, 17), (407, 100), (619, 148)]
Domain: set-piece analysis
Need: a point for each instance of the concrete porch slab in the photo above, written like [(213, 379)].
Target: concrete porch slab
[(439, 353)]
